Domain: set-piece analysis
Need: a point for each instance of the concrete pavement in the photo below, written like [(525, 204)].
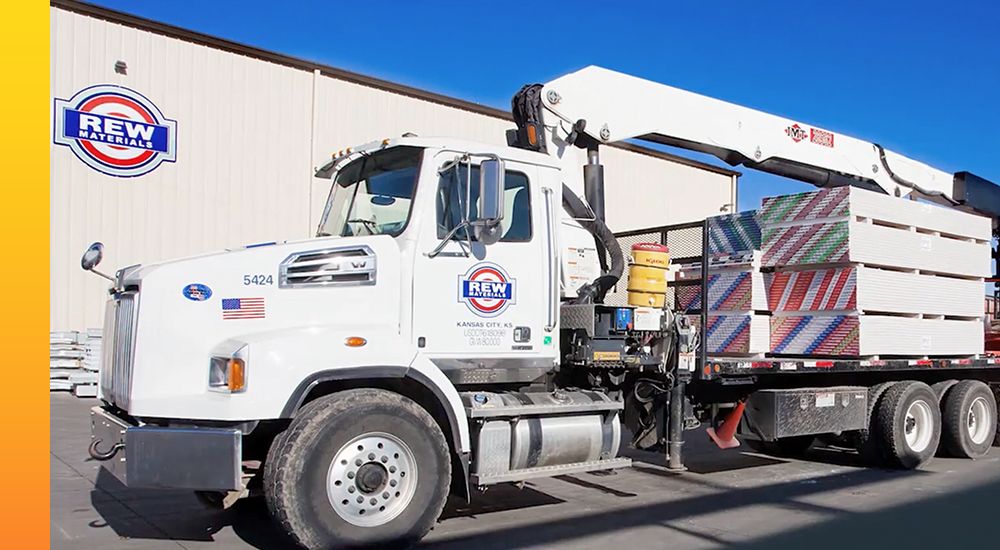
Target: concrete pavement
[(728, 498)]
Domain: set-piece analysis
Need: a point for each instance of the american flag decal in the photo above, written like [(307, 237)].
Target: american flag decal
[(243, 308)]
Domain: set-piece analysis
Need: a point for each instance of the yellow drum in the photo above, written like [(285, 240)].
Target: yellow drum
[(647, 276), (651, 255)]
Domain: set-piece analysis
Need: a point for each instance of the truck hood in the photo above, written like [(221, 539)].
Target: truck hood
[(132, 275), (266, 301)]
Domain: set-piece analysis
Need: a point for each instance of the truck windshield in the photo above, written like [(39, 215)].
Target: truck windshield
[(372, 195)]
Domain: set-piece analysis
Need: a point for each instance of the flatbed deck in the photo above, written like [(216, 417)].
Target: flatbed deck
[(716, 367)]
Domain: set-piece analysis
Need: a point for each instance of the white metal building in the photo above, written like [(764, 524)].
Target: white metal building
[(250, 126)]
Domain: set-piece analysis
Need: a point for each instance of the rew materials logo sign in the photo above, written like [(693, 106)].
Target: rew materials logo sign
[(486, 289), (115, 130)]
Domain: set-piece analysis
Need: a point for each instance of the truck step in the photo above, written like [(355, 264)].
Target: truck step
[(550, 471)]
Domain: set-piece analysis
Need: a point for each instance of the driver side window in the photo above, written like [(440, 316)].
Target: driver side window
[(451, 203)]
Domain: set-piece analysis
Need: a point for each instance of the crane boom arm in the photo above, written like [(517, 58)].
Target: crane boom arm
[(617, 107)]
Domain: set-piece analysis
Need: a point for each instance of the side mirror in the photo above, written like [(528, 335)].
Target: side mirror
[(490, 208), (92, 256)]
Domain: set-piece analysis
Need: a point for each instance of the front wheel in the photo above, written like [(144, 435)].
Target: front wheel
[(909, 424), (361, 468)]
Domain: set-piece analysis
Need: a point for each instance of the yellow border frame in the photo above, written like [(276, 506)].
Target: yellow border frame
[(24, 225)]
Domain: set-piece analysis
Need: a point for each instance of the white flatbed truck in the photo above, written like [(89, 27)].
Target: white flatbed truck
[(429, 340)]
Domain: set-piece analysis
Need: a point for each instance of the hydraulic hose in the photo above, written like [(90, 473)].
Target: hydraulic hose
[(907, 183), (595, 291)]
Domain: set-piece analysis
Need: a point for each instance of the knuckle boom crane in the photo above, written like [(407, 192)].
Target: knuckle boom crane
[(609, 106)]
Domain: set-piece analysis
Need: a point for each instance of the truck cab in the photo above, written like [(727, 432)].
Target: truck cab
[(434, 277)]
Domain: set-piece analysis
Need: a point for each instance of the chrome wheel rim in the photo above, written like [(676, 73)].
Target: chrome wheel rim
[(979, 422), (371, 479), (917, 426)]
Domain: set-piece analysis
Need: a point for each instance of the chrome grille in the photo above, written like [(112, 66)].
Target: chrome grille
[(119, 349), (341, 266)]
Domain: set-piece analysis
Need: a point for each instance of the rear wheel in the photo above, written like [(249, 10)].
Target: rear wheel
[(908, 421), (941, 388), (969, 414), (869, 444), (996, 399), (358, 469)]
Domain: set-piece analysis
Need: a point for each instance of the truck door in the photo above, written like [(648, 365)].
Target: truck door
[(480, 311)]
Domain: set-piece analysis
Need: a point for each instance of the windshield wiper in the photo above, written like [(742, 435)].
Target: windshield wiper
[(366, 222)]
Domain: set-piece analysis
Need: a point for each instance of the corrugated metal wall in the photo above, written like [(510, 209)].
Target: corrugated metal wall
[(245, 154)]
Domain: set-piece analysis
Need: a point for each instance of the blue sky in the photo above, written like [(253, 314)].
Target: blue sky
[(921, 78)]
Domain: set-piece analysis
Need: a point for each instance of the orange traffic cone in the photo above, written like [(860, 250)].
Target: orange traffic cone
[(725, 438)]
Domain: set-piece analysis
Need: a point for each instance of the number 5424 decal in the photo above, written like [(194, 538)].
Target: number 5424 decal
[(258, 280)]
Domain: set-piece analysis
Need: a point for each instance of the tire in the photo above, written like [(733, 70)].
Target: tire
[(869, 445), (908, 420), (996, 396), (969, 417), (312, 476), (785, 447), (941, 388)]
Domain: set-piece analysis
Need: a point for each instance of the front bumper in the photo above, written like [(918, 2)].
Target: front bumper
[(207, 459)]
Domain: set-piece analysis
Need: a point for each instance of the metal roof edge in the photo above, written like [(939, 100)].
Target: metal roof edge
[(180, 33)]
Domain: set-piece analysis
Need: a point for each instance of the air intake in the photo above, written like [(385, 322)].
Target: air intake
[(344, 266)]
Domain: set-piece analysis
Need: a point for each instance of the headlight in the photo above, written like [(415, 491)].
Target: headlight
[(228, 374)]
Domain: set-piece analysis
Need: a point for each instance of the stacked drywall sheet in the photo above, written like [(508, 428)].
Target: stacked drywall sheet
[(737, 300), (733, 234), (735, 333), (873, 290), (874, 335), (859, 273), (734, 284), (74, 362)]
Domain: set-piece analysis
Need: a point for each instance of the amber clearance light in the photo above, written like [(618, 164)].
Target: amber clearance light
[(236, 375), (355, 341)]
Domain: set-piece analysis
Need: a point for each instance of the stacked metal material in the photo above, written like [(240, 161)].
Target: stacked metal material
[(85, 383), (859, 273), (74, 362), (737, 302)]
